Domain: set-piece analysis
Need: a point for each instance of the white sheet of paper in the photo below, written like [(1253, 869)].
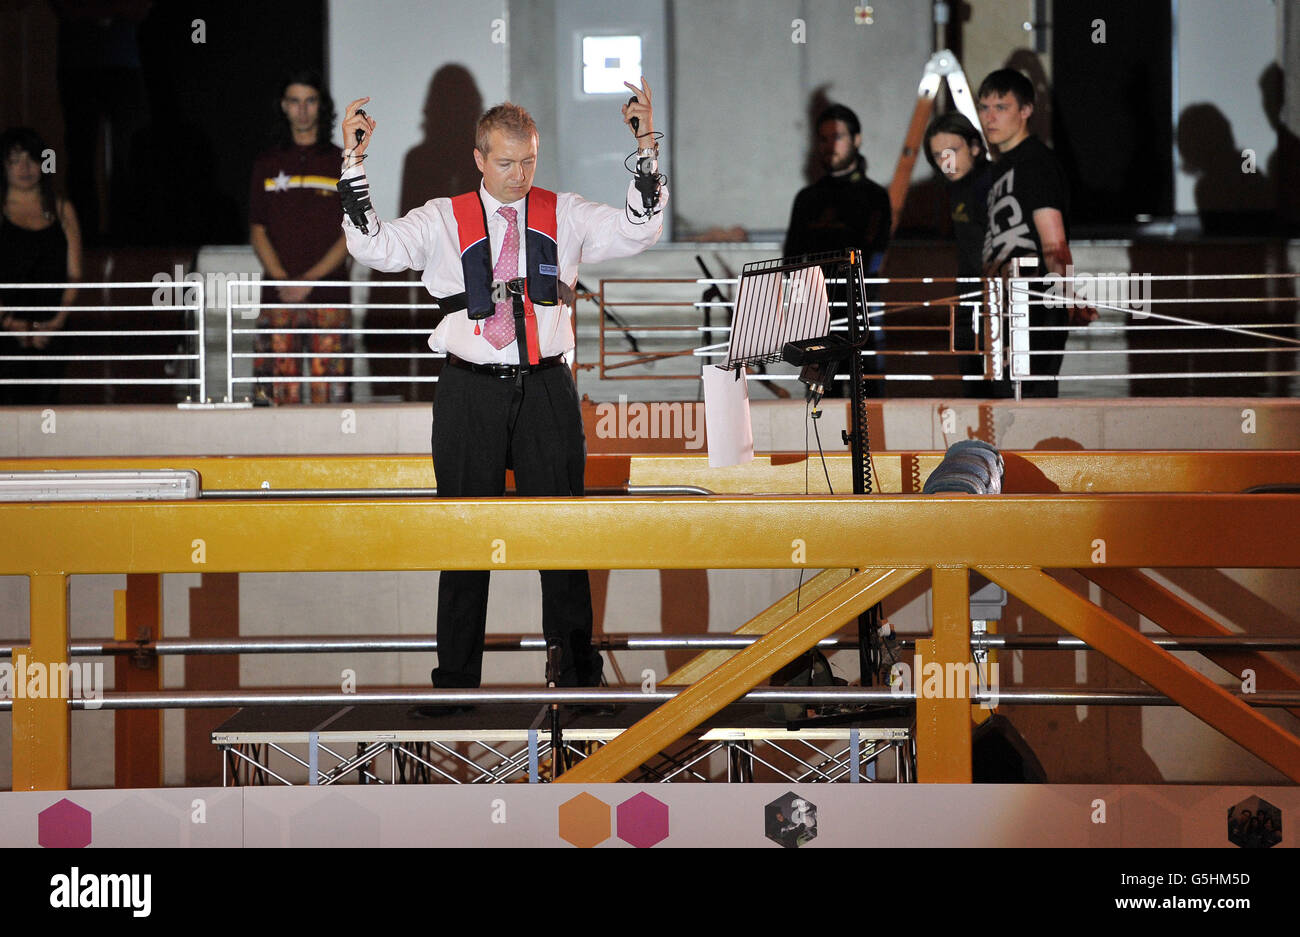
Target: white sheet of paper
[(758, 305), (775, 308), (726, 417), (808, 314)]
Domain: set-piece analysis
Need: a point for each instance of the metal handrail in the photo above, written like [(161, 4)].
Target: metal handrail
[(1000, 308), (207, 699), (230, 494), (248, 312), (396, 643), (1116, 293), (186, 289)]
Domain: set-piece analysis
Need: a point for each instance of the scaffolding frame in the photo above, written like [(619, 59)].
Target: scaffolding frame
[(891, 539)]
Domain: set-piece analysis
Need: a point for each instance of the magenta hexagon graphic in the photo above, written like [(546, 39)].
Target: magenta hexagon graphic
[(63, 826), (642, 821)]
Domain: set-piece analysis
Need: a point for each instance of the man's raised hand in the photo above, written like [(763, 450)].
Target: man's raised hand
[(642, 110), (355, 119)]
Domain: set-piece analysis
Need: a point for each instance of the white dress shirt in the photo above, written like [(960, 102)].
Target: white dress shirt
[(426, 239)]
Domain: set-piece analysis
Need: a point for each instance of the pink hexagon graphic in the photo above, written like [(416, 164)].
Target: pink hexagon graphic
[(642, 821), (63, 826)]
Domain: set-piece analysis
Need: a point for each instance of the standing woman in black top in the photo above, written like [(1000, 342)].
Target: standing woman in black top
[(956, 150), (40, 242)]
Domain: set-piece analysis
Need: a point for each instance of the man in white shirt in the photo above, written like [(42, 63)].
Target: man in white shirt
[(490, 413)]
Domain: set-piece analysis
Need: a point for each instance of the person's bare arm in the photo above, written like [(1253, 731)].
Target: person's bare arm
[(318, 271), (1056, 255), (71, 231), (261, 242), (1051, 234)]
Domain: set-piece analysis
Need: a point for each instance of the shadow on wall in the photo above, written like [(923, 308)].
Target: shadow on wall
[(1233, 194), (813, 168), (1235, 201), (1284, 165), (441, 165)]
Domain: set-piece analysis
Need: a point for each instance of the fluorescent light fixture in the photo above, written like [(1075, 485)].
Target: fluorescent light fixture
[(144, 485), (608, 61)]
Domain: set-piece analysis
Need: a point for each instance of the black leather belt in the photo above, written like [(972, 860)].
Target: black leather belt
[(504, 370)]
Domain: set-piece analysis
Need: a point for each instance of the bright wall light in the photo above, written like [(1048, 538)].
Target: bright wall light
[(608, 61)]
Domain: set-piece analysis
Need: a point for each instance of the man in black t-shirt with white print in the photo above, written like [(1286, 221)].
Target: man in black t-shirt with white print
[(1028, 212)]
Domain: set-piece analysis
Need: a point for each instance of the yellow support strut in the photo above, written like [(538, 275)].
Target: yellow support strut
[(737, 676)]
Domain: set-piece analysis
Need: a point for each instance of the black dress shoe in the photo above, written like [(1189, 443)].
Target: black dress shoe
[(591, 676), (593, 709), (596, 709), (438, 711)]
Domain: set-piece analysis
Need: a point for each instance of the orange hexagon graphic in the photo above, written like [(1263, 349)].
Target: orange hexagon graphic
[(584, 821)]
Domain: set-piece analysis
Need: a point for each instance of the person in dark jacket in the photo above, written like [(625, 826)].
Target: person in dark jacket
[(843, 209)]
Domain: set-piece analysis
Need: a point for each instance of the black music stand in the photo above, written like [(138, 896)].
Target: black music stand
[(787, 300)]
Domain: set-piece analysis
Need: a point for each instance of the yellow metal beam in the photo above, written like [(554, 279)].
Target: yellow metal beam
[(1147, 597), (821, 532), (120, 627), (42, 728), (1137, 654), (943, 722), (737, 676), (1081, 471), (1096, 471), (761, 623)]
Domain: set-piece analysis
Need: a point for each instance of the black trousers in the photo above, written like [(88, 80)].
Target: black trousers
[(1040, 316), (483, 425)]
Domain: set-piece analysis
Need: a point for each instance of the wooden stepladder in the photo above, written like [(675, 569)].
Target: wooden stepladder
[(943, 66)]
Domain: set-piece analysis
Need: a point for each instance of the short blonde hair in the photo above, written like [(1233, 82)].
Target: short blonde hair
[(509, 118)]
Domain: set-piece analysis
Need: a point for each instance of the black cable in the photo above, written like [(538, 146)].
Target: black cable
[(798, 596), (807, 404), (659, 178), (825, 471)]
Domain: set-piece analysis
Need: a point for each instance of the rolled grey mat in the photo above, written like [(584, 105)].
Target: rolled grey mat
[(971, 466)]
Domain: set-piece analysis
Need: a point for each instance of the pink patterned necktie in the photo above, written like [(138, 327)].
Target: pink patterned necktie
[(499, 329)]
